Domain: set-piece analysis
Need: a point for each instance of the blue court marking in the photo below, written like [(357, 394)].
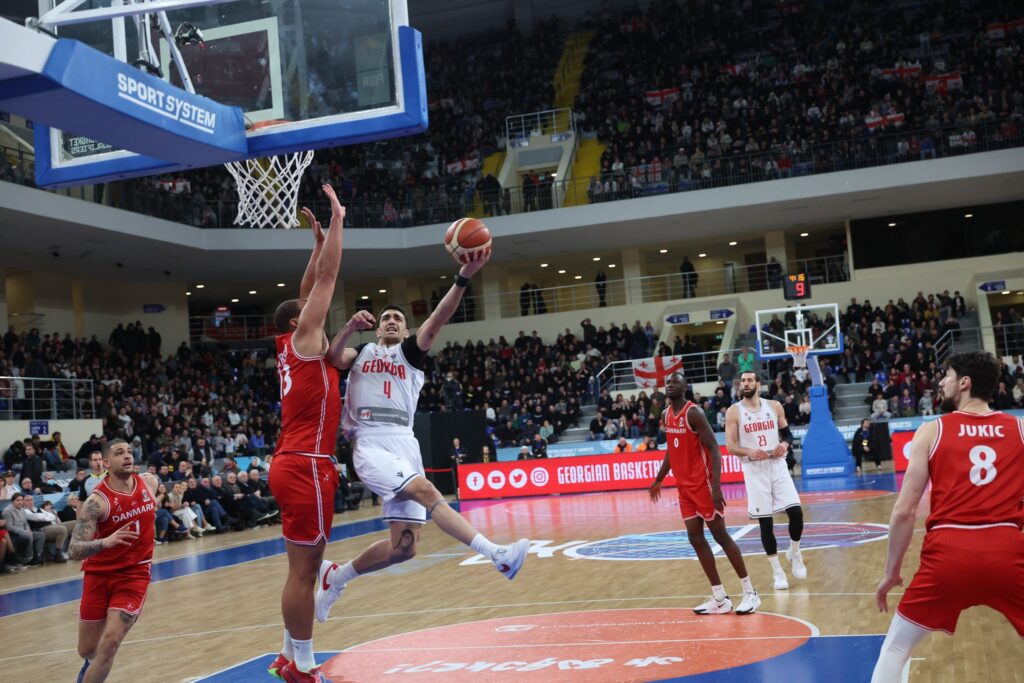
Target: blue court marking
[(839, 659), (674, 545), (883, 481), (51, 594)]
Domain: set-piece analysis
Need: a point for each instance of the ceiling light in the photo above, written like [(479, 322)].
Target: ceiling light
[(444, 277), (892, 225), (200, 286), (543, 265), (663, 251), (280, 284), (968, 215), (1019, 293), (597, 258), (732, 244), (719, 322), (188, 293), (562, 272), (1005, 293), (252, 291), (701, 255), (804, 234), (364, 297), (234, 301), (382, 291), (577, 277), (611, 265)]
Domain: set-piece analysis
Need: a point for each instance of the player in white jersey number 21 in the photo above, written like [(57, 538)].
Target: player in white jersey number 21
[(384, 384)]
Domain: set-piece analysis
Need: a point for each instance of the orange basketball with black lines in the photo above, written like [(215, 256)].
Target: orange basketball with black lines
[(466, 236)]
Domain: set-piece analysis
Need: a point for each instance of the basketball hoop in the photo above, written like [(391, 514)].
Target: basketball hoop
[(268, 188), (799, 354)]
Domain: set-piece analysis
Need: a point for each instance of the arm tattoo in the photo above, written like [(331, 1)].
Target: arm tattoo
[(83, 539)]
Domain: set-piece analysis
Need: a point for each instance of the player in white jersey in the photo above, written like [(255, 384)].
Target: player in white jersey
[(756, 431), (384, 385)]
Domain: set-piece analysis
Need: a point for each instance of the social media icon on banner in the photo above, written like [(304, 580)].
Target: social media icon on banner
[(475, 481), (496, 479), (539, 476), (517, 478)]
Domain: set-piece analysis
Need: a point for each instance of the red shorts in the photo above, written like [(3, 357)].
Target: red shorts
[(304, 487), (123, 590), (695, 501), (961, 568)]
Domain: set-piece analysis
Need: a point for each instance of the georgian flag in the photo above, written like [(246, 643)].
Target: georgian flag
[(663, 97), (652, 372)]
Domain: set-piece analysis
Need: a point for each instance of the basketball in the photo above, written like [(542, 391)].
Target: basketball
[(466, 236)]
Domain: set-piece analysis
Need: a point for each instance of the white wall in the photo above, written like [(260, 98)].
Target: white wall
[(73, 432)]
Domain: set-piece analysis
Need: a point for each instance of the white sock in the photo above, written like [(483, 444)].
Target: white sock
[(747, 586), (286, 648), (304, 655), (794, 545), (774, 561), (903, 636), (344, 573), (718, 592), (484, 546)]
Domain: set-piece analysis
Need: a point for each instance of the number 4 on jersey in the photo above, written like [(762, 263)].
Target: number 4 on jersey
[(387, 388)]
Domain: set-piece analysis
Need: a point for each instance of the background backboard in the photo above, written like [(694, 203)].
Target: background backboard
[(816, 326), (332, 71)]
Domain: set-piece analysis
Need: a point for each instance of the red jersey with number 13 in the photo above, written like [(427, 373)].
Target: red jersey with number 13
[(136, 510), (310, 402), (686, 454), (976, 469)]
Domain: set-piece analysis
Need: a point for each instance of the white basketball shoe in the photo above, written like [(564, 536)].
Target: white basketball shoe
[(796, 560), (781, 582), (713, 606), (751, 601), (509, 558), (327, 593)]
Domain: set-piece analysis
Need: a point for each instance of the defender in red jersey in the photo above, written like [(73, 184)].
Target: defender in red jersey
[(114, 535), (303, 477), (695, 460), (973, 551)]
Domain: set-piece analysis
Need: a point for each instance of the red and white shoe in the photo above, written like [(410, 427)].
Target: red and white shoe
[(509, 558), (290, 674), (275, 667), (327, 593)]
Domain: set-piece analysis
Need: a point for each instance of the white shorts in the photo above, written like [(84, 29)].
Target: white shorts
[(770, 487), (386, 464)]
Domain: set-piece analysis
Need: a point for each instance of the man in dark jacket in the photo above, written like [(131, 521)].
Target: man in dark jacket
[(865, 445), (32, 465)]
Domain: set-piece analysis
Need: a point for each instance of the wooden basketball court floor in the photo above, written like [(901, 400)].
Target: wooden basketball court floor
[(604, 596)]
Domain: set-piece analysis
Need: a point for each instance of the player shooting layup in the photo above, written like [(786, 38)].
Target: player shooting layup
[(973, 551), (383, 388), (695, 460), (302, 474), (756, 431), (114, 535)]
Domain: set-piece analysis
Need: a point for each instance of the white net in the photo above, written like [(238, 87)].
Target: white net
[(268, 189), (799, 354)]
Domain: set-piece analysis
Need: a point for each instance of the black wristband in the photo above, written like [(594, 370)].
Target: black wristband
[(461, 281)]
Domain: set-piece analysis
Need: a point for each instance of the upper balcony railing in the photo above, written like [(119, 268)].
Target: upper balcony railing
[(39, 398), (575, 297), (409, 207)]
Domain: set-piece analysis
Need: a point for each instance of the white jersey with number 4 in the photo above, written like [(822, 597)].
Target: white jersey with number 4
[(383, 390)]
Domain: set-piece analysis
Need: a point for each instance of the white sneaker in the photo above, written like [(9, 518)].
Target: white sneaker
[(713, 606), (751, 601), (781, 582), (509, 558), (796, 560), (326, 593)]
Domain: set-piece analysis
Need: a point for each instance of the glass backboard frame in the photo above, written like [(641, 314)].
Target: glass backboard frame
[(407, 116), (820, 345)]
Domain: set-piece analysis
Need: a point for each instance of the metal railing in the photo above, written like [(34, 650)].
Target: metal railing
[(1008, 340), (39, 398), (697, 367), (521, 127), (18, 165), (574, 297)]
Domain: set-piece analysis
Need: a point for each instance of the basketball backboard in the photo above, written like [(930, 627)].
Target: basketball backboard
[(814, 326), (315, 73)]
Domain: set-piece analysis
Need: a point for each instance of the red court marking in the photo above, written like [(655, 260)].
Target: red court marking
[(596, 647)]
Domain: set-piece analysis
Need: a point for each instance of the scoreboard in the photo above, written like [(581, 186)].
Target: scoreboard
[(796, 287)]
